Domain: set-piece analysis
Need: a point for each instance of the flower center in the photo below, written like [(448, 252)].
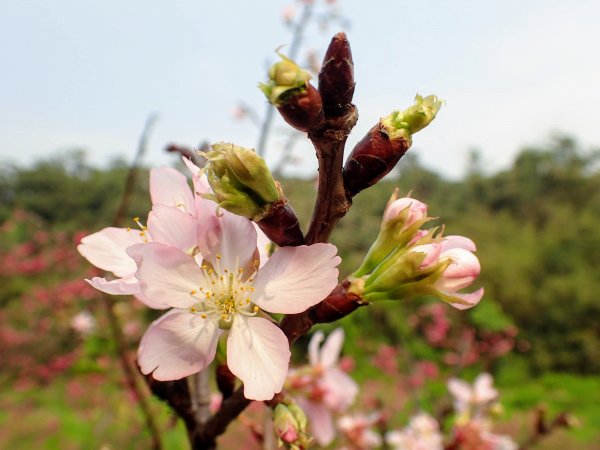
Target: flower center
[(228, 294)]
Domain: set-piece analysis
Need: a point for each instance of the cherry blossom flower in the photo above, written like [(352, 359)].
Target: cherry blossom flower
[(206, 267), (358, 429), (83, 322), (220, 285), (422, 433), (324, 389), (472, 398)]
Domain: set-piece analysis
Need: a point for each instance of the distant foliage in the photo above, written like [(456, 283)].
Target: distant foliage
[(536, 228)]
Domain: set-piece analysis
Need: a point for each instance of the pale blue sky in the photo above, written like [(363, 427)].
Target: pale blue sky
[(87, 73)]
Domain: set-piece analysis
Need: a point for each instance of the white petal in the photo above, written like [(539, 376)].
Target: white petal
[(320, 421), (330, 352), (120, 286), (258, 354), (177, 345), (125, 286), (296, 278), (167, 275), (460, 390), (484, 388), (106, 249), (170, 187), (171, 226), (313, 348)]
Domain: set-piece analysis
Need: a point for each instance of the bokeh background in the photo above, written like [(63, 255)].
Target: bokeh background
[(511, 161)]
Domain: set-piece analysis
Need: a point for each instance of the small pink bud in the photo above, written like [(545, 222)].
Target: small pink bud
[(416, 210)]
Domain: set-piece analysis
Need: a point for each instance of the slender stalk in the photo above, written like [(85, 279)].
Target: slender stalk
[(203, 396), (268, 430)]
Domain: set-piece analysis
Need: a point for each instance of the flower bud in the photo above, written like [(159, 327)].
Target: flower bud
[(290, 91), (241, 180), (383, 146), (290, 425), (400, 225), (432, 265), (336, 78)]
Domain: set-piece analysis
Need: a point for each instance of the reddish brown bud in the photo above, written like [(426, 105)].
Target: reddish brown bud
[(373, 158), (303, 110), (336, 79), (337, 305), (281, 225)]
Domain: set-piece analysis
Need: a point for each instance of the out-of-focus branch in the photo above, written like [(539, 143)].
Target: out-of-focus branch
[(297, 36), (132, 377)]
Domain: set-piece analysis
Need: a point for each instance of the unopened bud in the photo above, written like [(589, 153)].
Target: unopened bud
[(336, 78), (290, 425), (383, 146), (402, 219), (241, 181), (290, 91)]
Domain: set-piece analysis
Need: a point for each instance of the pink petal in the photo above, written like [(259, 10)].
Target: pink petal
[(330, 352), (470, 299), (171, 226), (193, 168), (465, 268), (106, 249), (320, 421), (263, 245), (432, 254), (417, 210), (340, 390), (313, 348), (231, 237), (178, 344), (296, 278), (167, 275), (258, 353), (170, 187), (465, 243)]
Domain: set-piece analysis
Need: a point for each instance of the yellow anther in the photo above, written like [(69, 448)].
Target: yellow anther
[(193, 291), (204, 316), (128, 228), (255, 308), (247, 300), (218, 256), (136, 219)]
